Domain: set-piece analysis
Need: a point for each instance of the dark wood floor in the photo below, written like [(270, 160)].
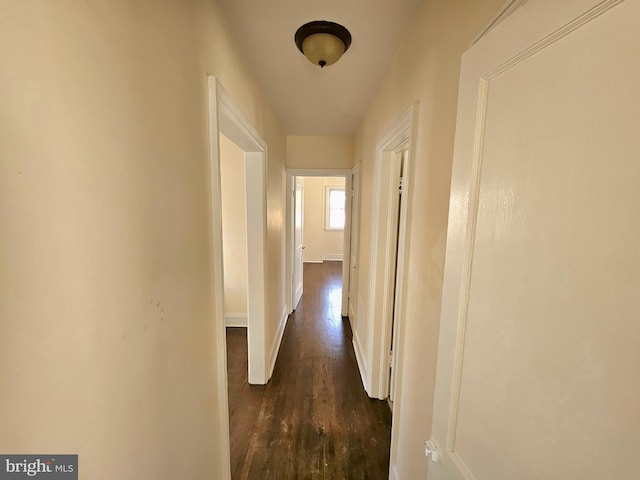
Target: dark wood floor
[(313, 420)]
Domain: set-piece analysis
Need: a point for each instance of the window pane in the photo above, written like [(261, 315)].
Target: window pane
[(336, 199), (335, 208), (336, 219)]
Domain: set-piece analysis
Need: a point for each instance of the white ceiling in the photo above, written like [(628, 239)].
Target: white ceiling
[(310, 100)]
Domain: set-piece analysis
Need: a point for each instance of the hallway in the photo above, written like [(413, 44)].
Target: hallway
[(313, 419)]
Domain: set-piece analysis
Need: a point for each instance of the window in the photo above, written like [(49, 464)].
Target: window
[(334, 208)]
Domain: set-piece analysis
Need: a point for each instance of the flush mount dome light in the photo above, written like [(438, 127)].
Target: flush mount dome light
[(322, 42)]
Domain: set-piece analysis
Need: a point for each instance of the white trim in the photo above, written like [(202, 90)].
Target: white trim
[(380, 301), (386, 236), (275, 346), (472, 214), (294, 264), (332, 257), (393, 473), (235, 320), (346, 247), (352, 312), (257, 298), (234, 125), (218, 277), (351, 236), (360, 359), (507, 9), (225, 118), (289, 261), (396, 341)]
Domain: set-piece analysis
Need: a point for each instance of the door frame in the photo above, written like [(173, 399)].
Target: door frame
[(226, 118), (399, 136), (400, 161), (294, 286), (353, 248), (290, 251)]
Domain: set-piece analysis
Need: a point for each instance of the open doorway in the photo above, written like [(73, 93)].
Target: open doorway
[(234, 234), (323, 218), (235, 274), (319, 213), (226, 119), (318, 226)]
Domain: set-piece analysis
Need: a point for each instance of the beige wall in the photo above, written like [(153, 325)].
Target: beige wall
[(426, 69), (320, 244), (320, 152), (107, 339), (234, 228)]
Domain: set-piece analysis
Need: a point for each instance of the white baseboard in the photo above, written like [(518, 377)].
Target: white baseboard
[(393, 473), (332, 257), (235, 320), (275, 347), (360, 359)]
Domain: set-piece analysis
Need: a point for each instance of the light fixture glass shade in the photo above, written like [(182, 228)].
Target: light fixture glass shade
[(322, 42), (323, 49)]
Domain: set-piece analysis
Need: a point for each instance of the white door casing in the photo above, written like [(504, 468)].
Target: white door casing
[(354, 199), (383, 280), (292, 173), (538, 354), (225, 118), (346, 245), (396, 327), (298, 241)]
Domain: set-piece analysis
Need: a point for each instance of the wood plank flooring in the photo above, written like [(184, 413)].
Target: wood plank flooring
[(313, 420)]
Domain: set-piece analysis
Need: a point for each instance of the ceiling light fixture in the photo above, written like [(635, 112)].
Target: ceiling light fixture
[(322, 42)]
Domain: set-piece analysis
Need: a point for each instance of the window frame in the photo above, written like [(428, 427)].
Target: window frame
[(327, 207)]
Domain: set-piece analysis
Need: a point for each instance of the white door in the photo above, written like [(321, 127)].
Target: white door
[(398, 245), (539, 359), (298, 247), (353, 250)]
